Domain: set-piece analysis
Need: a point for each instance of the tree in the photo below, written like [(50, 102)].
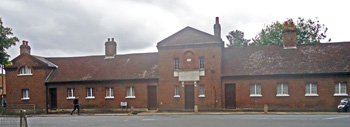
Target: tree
[(308, 32), (236, 39), (6, 40)]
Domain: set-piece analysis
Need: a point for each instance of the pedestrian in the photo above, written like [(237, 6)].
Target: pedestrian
[(76, 105)]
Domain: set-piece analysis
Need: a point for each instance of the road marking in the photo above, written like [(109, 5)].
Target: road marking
[(148, 119), (126, 120), (331, 118)]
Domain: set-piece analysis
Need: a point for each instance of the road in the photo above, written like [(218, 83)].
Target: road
[(194, 121)]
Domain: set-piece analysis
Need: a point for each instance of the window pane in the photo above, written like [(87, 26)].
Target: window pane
[(177, 90), (201, 90), (307, 88), (279, 88), (314, 88), (336, 88), (258, 89), (343, 88), (133, 91), (176, 63), (285, 88), (252, 89), (201, 62)]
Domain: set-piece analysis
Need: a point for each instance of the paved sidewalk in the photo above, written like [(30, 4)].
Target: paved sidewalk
[(193, 113)]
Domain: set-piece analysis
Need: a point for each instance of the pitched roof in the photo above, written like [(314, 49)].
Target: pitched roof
[(42, 59), (132, 66), (189, 36), (270, 60)]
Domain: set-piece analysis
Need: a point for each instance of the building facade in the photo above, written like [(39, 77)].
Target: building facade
[(191, 70)]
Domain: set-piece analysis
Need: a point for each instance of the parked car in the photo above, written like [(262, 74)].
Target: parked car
[(344, 105)]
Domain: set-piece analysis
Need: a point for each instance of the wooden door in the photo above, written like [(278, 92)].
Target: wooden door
[(152, 97), (189, 97), (230, 95), (53, 98)]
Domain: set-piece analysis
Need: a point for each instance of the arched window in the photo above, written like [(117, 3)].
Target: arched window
[(25, 70)]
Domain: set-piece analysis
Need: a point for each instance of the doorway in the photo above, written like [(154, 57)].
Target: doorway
[(230, 95), (152, 97), (53, 98), (189, 97)]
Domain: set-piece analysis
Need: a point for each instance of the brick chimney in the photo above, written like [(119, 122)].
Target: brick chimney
[(110, 48), (289, 36), (24, 48), (217, 28)]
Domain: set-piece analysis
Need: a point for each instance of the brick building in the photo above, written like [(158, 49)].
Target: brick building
[(191, 69)]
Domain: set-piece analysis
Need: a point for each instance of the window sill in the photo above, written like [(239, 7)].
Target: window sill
[(23, 99), (130, 97), (341, 95), (70, 98), (90, 98), (201, 96), (282, 95), (311, 95), (255, 95), (110, 97), (24, 74), (177, 96)]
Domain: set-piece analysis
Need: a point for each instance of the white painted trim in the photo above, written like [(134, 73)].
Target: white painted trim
[(24, 74), (25, 98), (340, 95), (90, 97), (282, 95), (109, 97), (130, 97), (70, 98), (311, 95), (201, 96), (255, 95), (177, 96)]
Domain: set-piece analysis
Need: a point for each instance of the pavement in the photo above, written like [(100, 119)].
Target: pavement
[(191, 113)]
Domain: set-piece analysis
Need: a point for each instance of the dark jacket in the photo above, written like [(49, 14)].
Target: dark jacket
[(76, 102)]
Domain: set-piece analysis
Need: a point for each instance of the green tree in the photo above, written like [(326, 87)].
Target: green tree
[(236, 39), (6, 40), (308, 32)]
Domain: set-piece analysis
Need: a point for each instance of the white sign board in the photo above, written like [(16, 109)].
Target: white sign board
[(123, 103)]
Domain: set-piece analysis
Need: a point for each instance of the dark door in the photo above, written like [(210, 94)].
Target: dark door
[(53, 98), (230, 95), (152, 97), (189, 97)]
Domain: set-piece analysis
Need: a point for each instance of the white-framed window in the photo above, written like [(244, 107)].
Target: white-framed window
[(176, 63), (201, 62), (25, 70), (282, 90), (25, 94), (177, 91), (130, 92), (255, 90), (90, 93), (109, 92), (311, 89), (340, 89), (201, 91), (71, 93)]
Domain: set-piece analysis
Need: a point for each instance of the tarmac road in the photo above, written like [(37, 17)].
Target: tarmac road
[(342, 120)]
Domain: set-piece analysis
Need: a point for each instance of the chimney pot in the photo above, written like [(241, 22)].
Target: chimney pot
[(217, 20), (112, 39), (23, 42), (217, 28), (292, 24), (286, 24), (108, 39), (24, 48)]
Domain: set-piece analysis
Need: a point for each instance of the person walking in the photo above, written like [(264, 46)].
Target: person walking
[(76, 105)]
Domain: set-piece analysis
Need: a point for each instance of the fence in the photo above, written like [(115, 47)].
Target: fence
[(15, 120)]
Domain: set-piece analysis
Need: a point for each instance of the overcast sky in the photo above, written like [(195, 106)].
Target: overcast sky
[(60, 28)]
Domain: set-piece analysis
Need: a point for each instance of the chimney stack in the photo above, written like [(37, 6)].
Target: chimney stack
[(217, 28), (110, 48), (289, 36), (24, 48)]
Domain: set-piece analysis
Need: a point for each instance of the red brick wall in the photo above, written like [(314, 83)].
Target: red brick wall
[(296, 89), (212, 62), (119, 91), (35, 83)]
